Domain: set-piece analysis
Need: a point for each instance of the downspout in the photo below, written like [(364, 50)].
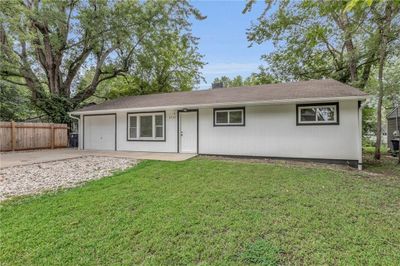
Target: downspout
[(397, 119), (74, 117), (361, 105), (79, 127)]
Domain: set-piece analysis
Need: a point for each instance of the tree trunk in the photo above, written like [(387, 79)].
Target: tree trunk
[(352, 58), (382, 57), (377, 155), (344, 24)]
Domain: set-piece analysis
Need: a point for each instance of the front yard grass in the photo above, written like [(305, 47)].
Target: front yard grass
[(387, 165), (204, 211)]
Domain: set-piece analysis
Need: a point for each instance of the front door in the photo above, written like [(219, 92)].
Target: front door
[(188, 132)]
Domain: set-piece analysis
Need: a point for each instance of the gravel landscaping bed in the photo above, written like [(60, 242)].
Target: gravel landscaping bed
[(36, 178)]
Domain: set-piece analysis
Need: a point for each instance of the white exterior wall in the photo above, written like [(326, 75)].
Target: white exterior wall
[(271, 131), (169, 145)]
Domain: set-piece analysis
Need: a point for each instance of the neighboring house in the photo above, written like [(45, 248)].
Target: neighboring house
[(393, 126), (317, 119)]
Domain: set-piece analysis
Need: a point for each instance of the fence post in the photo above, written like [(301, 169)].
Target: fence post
[(52, 135), (13, 136)]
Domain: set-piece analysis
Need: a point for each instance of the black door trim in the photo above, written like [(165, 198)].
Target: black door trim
[(115, 128), (177, 128)]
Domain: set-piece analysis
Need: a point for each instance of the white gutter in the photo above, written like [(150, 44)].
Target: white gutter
[(360, 156), (79, 128), (192, 106), (397, 119), (74, 117)]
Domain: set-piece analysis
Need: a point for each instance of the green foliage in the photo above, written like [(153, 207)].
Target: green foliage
[(64, 50), (354, 3), (369, 124), (315, 39), (263, 76), (391, 92), (14, 103), (170, 66), (209, 212), (392, 81), (257, 78)]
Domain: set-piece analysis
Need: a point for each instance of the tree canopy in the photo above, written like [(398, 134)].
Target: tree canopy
[(63, 50), (316, 39), (15, 104), (262, 76)]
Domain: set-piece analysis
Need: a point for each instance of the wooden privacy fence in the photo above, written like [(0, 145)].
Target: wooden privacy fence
[(27, 136)]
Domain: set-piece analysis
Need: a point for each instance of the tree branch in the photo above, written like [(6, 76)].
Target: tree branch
[(15, 82), (74, 67), (90, 90)]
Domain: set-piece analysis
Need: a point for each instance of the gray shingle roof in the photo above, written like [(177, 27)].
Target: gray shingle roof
[(263, 93), (394, 113)]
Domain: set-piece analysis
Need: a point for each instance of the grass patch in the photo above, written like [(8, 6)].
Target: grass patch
[(203, 211), (387, 165), (260, 252)]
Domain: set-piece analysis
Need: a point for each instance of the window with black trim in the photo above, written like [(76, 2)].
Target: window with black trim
[(318, 114), (229, 117), (146, 126)]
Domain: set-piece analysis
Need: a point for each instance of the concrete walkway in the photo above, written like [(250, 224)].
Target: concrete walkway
[(8, 159)]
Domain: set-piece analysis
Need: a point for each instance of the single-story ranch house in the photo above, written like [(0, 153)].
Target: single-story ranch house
[(317, 119)]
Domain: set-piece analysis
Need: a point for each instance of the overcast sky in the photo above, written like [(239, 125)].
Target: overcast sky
[(223, 39)]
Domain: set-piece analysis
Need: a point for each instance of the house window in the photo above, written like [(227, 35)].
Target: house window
[(146, 126), (229, 117), (318, 114)]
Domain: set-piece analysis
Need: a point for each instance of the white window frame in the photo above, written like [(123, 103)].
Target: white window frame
[(153, 138), (335, 121), (216, 111)]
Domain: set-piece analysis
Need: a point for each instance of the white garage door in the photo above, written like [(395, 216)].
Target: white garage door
[(99, 132)]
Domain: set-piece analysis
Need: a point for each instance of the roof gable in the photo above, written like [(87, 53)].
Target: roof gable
[(394, 113)]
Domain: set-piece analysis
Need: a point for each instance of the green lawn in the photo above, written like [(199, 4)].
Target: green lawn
[(206, 212), (388, 165)]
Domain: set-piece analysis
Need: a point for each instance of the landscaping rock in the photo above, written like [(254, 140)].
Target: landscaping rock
[(36, 178)]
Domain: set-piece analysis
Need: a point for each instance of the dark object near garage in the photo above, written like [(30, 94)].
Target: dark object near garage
[(395, 146), (73, 140), (393, 127)]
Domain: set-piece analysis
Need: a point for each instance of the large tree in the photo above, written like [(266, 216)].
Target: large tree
[(63, 50), (385, 16), (315, 39), (343, 40), (171, 65)]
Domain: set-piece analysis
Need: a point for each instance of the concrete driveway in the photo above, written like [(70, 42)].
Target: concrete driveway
[(8, 159)]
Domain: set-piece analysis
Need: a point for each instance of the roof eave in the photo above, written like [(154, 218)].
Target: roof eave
[(391, 112), (193, 106)]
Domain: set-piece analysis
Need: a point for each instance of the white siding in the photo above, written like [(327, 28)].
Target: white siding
[(169, 145), (272, 131)]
